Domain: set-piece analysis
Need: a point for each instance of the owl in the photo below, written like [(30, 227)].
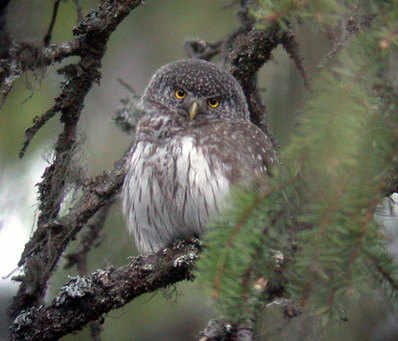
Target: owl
[(194, 142)]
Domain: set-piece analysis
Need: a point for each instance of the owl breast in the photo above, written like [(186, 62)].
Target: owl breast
[(171, 190)]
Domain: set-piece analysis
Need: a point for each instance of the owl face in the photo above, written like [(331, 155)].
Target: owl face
[(195, 91)]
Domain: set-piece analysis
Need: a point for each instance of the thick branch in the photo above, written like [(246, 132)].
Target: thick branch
[(87, 298), (251, 50)]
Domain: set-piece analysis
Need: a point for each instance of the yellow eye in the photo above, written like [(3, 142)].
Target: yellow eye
[(180, 94), (213, 102)]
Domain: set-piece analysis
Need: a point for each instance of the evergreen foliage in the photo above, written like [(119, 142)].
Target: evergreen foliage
[(310, 229)]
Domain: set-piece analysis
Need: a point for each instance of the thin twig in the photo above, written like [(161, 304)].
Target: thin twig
[(353, 25), (292, 48), (47, 37), (202, 49), (127, 86), (89, 240), (79, 10), (96, 329), (38, 122)]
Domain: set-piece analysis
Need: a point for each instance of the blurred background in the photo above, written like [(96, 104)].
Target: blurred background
[(151, 36)]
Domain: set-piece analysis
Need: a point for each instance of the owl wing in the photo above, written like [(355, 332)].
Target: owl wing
[(243, 149)]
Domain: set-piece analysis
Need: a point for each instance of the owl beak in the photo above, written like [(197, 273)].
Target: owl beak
[(193, 110)]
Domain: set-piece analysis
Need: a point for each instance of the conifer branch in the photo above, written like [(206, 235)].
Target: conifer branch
[(234, 231), (383, 272), (313, 265), (368, 219), (231, 238)]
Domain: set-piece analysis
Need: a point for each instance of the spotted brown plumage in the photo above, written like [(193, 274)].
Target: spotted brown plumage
[(194, 142)]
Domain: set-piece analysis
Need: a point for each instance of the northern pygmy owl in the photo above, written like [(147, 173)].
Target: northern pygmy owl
[(194, 142)]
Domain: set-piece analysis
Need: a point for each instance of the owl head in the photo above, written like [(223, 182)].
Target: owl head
[(196, 91)]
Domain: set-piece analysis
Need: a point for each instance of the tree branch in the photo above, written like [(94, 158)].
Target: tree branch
[(47, 37), (79, 11), (23, 56), (52, 236), (87, 298), (252, 49)]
